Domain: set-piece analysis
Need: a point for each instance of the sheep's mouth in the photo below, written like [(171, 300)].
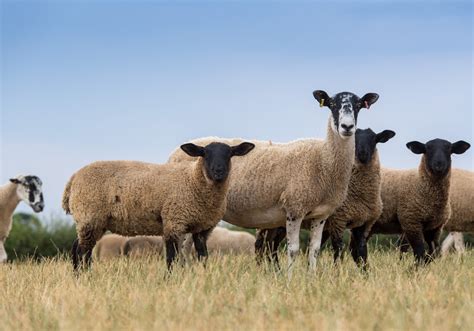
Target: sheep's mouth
[(346, 133)]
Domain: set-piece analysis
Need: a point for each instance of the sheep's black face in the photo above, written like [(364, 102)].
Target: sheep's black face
[(366, 142), (30, 191), (438, 154), (217, 157), (345, 107)]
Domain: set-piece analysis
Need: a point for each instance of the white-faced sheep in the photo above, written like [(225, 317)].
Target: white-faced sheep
[(136, 198), (361, 208), (109, 246), (20, 188), (225, 241), (416, 201), (284, 184)]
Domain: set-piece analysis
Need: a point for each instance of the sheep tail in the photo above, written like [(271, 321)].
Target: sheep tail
[(66, 195)]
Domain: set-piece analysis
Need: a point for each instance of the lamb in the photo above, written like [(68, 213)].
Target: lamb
[(21, 188), (109, 246), (135, 198), (225, 241), (284, 184), (362, 206), (416, 201), (145, 246)]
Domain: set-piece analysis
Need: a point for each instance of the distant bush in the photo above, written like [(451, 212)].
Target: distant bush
[(30, 238)]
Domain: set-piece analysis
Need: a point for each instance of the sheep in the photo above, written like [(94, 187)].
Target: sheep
[(284, 184), (135, 198), (21, 188), (109, 246), (362, 206), (416, 201), (145, 246), (461, 196), (225, 241)]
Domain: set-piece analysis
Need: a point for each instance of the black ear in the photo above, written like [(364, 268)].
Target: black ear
[(15, 180), (193, 150), (322, 97), (369, 99), (384, 136), (416, 147), (242, 149), (459, 147)]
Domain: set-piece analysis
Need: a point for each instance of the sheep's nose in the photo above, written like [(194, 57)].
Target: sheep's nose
[(347, 127)]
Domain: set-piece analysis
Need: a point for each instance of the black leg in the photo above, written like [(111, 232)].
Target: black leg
[(432, 239), (416, 241), (75, 256), (403, 244), (171, 252), (338, 246), (267, 243), (358, 246), (200, 245)]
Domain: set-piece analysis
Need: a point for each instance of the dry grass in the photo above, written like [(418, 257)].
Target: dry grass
[(233, 293)]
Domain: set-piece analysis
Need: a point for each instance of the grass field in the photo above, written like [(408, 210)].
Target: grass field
[(234, 293)]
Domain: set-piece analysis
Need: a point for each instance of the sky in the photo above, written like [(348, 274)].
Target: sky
[(131, 80)]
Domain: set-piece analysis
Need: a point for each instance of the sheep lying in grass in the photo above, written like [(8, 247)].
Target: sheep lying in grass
[(284, 184), (224, 241), (362, 206), (136, 198), (109, 246), (144, 246), (20, 188), (416, 201)]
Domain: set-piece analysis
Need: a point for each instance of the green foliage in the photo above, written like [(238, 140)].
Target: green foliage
[(30, 238)]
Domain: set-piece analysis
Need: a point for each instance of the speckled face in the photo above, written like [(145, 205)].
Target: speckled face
[(30, 191), (345, 107)]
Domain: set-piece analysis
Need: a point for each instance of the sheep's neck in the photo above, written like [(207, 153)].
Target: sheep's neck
[(212, 193), (437, 188), (8, 202), (338, 156), (365, 178)]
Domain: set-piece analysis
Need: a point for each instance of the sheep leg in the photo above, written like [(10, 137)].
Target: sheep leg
[(200, 244), (267, 243), (459, 242), (416, 241), (316, 235), (403, 244), (293, 226), (172, 250), (447, 243), (87, 237), (337, 246), (3, 253), (432, 238), (278, 238), (360, 246)]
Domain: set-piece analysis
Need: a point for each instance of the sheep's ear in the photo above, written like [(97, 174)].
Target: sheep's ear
[(193, 150), (242, 149), (322, 97), (369, 99), (416, 147), (15, 180), (459, 147), (384, 136)]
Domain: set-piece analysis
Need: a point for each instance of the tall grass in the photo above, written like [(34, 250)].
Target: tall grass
[(234, 293)]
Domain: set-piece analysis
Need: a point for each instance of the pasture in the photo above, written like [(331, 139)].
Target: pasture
[(235, 293)]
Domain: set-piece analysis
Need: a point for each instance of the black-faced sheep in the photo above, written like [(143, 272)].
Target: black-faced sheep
[(20, 188), (136, 198), (416, 201)]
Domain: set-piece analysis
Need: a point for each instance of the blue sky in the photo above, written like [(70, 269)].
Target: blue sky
[(84, 81)]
